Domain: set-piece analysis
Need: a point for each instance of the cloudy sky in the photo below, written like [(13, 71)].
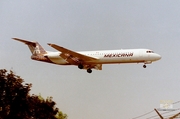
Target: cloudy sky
[(118, 91)]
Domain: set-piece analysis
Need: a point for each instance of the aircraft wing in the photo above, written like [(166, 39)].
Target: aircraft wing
[(70, 55)]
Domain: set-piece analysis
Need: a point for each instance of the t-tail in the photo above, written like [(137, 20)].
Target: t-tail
[(36, 49)]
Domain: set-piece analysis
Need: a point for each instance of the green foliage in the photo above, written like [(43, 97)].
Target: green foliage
[(60, 115), (17, 103)]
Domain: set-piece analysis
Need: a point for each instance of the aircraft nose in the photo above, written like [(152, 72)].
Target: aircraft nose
[(158, 57)]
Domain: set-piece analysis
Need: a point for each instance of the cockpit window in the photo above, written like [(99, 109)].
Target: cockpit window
[(149, 51)]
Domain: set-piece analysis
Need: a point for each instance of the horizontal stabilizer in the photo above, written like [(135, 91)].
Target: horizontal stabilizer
[(25, 41)]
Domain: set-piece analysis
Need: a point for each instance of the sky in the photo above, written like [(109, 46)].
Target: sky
[(119, 91)]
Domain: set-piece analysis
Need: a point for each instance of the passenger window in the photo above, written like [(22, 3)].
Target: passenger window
[(149, 52)]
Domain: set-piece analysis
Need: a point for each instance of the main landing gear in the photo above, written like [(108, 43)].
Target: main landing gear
[(89, 70), (144, 66), (80, 66)]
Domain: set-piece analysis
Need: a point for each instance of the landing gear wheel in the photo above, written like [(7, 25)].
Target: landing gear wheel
[(144, 66), (80, 66), (89, 70)]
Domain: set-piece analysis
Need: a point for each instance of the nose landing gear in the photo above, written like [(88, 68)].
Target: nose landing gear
[(144, 66)]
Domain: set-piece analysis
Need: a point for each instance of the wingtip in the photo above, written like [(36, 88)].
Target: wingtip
[(14, 38), (49, 44)]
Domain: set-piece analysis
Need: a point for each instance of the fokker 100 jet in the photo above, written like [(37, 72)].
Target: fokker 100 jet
[(89, 60)]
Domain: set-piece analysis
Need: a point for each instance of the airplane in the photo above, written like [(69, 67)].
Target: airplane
[(89, 60)]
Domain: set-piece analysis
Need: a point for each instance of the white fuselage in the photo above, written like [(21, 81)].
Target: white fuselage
[(89, 59), (111, 56)]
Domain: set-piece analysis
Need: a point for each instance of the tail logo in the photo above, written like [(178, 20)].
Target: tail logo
[(36, 50)]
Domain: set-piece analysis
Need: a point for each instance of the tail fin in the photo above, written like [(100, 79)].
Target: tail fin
[(35, 48)]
